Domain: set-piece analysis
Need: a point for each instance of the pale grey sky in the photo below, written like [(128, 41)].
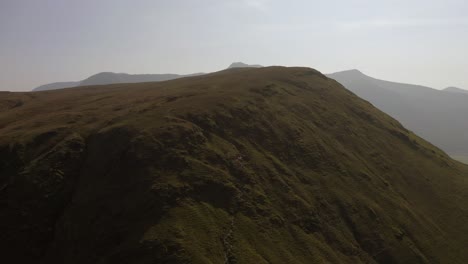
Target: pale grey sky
[(413, 41)]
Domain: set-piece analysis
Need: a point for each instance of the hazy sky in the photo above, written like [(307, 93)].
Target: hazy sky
[(421, 42)]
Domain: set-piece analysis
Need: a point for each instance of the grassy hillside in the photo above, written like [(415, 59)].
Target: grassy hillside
[(269, 165)]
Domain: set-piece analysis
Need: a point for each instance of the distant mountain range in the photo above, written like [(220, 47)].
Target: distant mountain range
[(439, 116), (56, 85), (111, 78), (243, 65)]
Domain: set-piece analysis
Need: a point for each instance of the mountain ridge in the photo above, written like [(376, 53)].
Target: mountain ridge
[(252, 165), (243, 65), (104, 78)]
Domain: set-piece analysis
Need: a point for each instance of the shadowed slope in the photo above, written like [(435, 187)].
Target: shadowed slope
[(270, 165)]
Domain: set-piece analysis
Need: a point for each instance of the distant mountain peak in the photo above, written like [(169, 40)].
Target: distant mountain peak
[(243, 65), (105, 73), (455, 90), (355, 72)]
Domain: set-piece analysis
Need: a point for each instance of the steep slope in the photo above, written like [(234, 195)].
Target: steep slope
[(269, 165), (437, 116)]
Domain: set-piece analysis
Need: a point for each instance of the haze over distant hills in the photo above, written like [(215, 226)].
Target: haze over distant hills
[(111, 78), (243, 65), (56, 85), (439, 116)]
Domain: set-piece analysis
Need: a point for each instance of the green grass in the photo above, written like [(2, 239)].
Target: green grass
[(282, 163)]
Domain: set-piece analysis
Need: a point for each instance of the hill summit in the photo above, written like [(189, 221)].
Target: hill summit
[(243, 65), (264, 165), (455, 90)]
